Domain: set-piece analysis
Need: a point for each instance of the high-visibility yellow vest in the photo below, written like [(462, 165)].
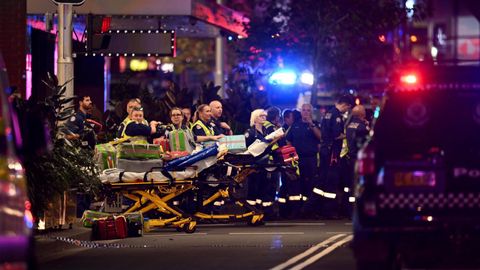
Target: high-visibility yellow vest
[(208, 130), (344, 150), (133, 139), (268, 124)]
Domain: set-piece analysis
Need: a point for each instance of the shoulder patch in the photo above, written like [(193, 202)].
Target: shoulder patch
[(198, 127), (328, 115), (247, 134), (339, 120), (72, 119)]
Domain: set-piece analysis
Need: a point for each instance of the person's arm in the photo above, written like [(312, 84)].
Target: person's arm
[(209, 138), (134, 129), (226, 127), (316, 130)]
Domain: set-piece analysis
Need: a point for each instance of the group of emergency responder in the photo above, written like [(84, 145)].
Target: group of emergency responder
[(326, 150)]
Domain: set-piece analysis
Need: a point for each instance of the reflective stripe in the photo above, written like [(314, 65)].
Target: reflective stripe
[(282, 200), (344, 150), (208, 131), (251, 202), (325, 194), (304, 198), (134, 139), (217, 203), (258, 201), (267, 204), (176, 203), (295, 198), (351, 199), (346, 189)]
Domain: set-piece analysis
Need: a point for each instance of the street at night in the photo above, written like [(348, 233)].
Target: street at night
[(239, 134)]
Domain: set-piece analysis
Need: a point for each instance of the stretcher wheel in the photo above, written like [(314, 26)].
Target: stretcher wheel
[(256, 220), (191, 227), (180, 228)]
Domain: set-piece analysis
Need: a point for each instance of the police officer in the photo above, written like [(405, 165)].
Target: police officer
[(203, 127), (220, 127), (305, 136), (75, 126), (356, 133), (330, 148)]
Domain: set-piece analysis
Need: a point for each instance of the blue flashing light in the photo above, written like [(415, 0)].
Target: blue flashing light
[(286, 77), (376, 113), (230, 38)]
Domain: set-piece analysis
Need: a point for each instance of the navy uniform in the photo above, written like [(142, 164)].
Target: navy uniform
[(301, 136), (356, 133), (332, 127), (217, 129), (76, 125), (257, 193)]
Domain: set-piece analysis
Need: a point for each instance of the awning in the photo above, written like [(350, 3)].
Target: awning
[(186, 17)]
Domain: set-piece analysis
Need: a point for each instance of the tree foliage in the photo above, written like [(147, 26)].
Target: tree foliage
[(60, 164), (332, 37)]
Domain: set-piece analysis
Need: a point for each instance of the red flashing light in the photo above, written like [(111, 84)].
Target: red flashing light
[(409, 79), (106, 24), (382, 38)]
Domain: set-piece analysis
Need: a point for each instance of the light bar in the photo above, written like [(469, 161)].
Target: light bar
[(285, 77)]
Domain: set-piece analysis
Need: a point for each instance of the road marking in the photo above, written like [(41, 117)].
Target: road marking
[(172, 235), (265, 233), (306, 253), (338, 232), (322, 253), (349, 224)]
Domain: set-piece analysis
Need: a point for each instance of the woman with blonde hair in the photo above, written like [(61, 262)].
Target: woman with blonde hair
[(202, 126), (259, 186)]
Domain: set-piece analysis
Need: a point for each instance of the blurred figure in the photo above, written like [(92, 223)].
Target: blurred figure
[(284, 208), (187, 117), (219, 126)]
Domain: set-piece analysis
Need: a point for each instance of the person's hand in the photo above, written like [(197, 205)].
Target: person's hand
[(153, 123), (218, 137)]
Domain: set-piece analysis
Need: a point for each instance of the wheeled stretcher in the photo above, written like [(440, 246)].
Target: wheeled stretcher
[(236, 169), (152, 193)]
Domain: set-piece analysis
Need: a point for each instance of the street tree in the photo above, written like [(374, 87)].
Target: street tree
[(334, 38)]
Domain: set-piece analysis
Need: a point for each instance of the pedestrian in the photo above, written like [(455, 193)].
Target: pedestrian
[(219, 126), (330, 148), (305, 136)]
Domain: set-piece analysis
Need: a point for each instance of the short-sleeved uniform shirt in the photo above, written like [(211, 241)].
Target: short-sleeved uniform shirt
[(356, 132)]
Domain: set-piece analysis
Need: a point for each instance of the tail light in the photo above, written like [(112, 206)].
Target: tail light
[(366, 161)]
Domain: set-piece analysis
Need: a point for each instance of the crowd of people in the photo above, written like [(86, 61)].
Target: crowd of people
[(327, 150)]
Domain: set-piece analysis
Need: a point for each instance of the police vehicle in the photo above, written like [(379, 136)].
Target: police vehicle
[(16, 220), (417, 185)]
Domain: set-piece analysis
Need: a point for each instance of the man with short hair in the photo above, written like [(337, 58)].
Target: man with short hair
[(219, 126), (305, 136), (75, 126)]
